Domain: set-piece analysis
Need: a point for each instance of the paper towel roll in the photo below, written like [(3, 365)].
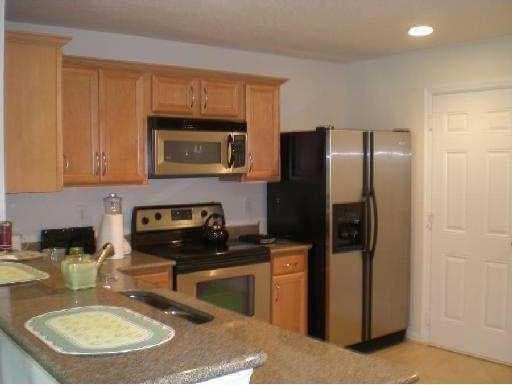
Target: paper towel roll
[(112, 231)]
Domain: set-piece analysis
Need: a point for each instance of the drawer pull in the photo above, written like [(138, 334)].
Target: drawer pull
[(290, 265)]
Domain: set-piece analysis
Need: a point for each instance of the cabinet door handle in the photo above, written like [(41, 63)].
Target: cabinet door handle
[(192, 97), (67, 163), (104, 161), (97, 167), (250, 161), (205, 93), (277, 287)]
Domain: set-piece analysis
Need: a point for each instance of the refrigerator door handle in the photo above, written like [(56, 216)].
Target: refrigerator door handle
[(375, 224)]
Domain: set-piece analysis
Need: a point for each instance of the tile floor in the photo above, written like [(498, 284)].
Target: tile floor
[(435, 365)]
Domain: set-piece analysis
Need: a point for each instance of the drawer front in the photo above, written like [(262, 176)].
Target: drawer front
[(288, 263), (159, 280)]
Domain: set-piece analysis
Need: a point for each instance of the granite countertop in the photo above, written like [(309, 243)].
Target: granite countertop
[(195, 353), (225, 345), (283, 245), (294, 358)]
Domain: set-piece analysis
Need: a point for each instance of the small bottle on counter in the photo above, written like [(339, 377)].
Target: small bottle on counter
[(5, 236)]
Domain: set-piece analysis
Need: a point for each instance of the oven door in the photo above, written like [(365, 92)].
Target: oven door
[(243, 289), (183, 153)]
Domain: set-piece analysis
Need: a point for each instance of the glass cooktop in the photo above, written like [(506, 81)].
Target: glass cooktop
[(198, 256)]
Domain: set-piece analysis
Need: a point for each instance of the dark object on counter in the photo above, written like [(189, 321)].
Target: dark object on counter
[(257, 239), (5, 235), (69, 237), (214, 230)]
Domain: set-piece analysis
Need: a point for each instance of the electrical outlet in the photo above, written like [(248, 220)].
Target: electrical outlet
[(81, 211)]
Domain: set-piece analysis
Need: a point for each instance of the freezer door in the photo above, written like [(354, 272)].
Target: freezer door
[(390, 279), (344, 269)]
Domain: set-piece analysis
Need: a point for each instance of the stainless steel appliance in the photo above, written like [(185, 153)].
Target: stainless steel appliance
[(193, 147), (235, 276), (349, 193)]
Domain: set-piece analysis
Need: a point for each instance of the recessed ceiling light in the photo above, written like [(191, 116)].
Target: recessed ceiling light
[(420, 30)]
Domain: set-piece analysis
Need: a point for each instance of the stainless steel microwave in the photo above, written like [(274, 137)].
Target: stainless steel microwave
[(180, 147)]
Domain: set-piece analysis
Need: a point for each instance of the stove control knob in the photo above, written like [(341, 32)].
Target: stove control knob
[(158, 216), (204, 213), (145, 220)]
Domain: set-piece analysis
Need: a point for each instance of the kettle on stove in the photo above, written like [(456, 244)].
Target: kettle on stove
[(214, 230)]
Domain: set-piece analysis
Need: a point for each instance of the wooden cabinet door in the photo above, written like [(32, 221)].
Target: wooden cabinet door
[(174, 95), (160, 280), (222, 99), (33, 130), (122, 126), (289, 301), (80, 126), (262, 109)]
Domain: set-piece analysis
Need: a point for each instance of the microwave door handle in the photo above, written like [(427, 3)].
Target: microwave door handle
[(230, 151)]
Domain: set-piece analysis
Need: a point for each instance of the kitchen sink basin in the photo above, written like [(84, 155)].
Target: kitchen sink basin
[(168, 306)]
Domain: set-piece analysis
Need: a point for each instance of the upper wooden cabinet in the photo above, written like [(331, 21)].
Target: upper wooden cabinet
[(222, 99), (175, 95), (122, 126), (184, 96), (33, 134), (104, 125), (80, 126), (262, 110)]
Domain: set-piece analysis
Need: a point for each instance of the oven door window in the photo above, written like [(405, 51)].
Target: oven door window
[(192, 152), (234, 293)]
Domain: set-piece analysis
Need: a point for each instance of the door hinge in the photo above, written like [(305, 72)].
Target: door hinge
[(430, 221)]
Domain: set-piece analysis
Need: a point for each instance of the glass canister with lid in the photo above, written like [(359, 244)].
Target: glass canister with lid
[(112, 203)]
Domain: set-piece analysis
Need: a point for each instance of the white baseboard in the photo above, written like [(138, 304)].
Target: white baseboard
[(415, 336)]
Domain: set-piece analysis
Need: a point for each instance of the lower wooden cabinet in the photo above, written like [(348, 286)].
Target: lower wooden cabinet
[(289, 291), (158, 277)]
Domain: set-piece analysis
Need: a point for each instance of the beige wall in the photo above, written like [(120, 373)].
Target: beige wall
[(390, 92)]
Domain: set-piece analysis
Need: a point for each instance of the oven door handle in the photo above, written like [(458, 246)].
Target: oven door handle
[(231, 160)]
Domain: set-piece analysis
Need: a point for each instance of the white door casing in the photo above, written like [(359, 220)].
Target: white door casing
[(471, 263)]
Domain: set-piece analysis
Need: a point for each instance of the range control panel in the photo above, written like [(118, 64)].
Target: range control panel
[(173, 217)]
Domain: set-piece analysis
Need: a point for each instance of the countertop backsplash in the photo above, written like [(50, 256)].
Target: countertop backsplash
[(244, 203)]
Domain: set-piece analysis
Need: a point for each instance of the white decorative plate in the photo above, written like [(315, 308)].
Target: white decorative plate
[(21, 255), (95, 330), (12, 272)]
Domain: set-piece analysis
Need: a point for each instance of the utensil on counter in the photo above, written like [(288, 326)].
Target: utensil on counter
[(80, 271), (55, 254)]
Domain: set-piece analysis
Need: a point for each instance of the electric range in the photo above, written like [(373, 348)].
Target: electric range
[(235, 276)]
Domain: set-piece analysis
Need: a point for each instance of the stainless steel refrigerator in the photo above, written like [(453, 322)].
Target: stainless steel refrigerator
[(349, 193)]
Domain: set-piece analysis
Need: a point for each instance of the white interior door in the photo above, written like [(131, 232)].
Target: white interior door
[(471, 271)]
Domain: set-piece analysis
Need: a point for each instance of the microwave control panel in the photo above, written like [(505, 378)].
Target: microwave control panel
[(238, 151)]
